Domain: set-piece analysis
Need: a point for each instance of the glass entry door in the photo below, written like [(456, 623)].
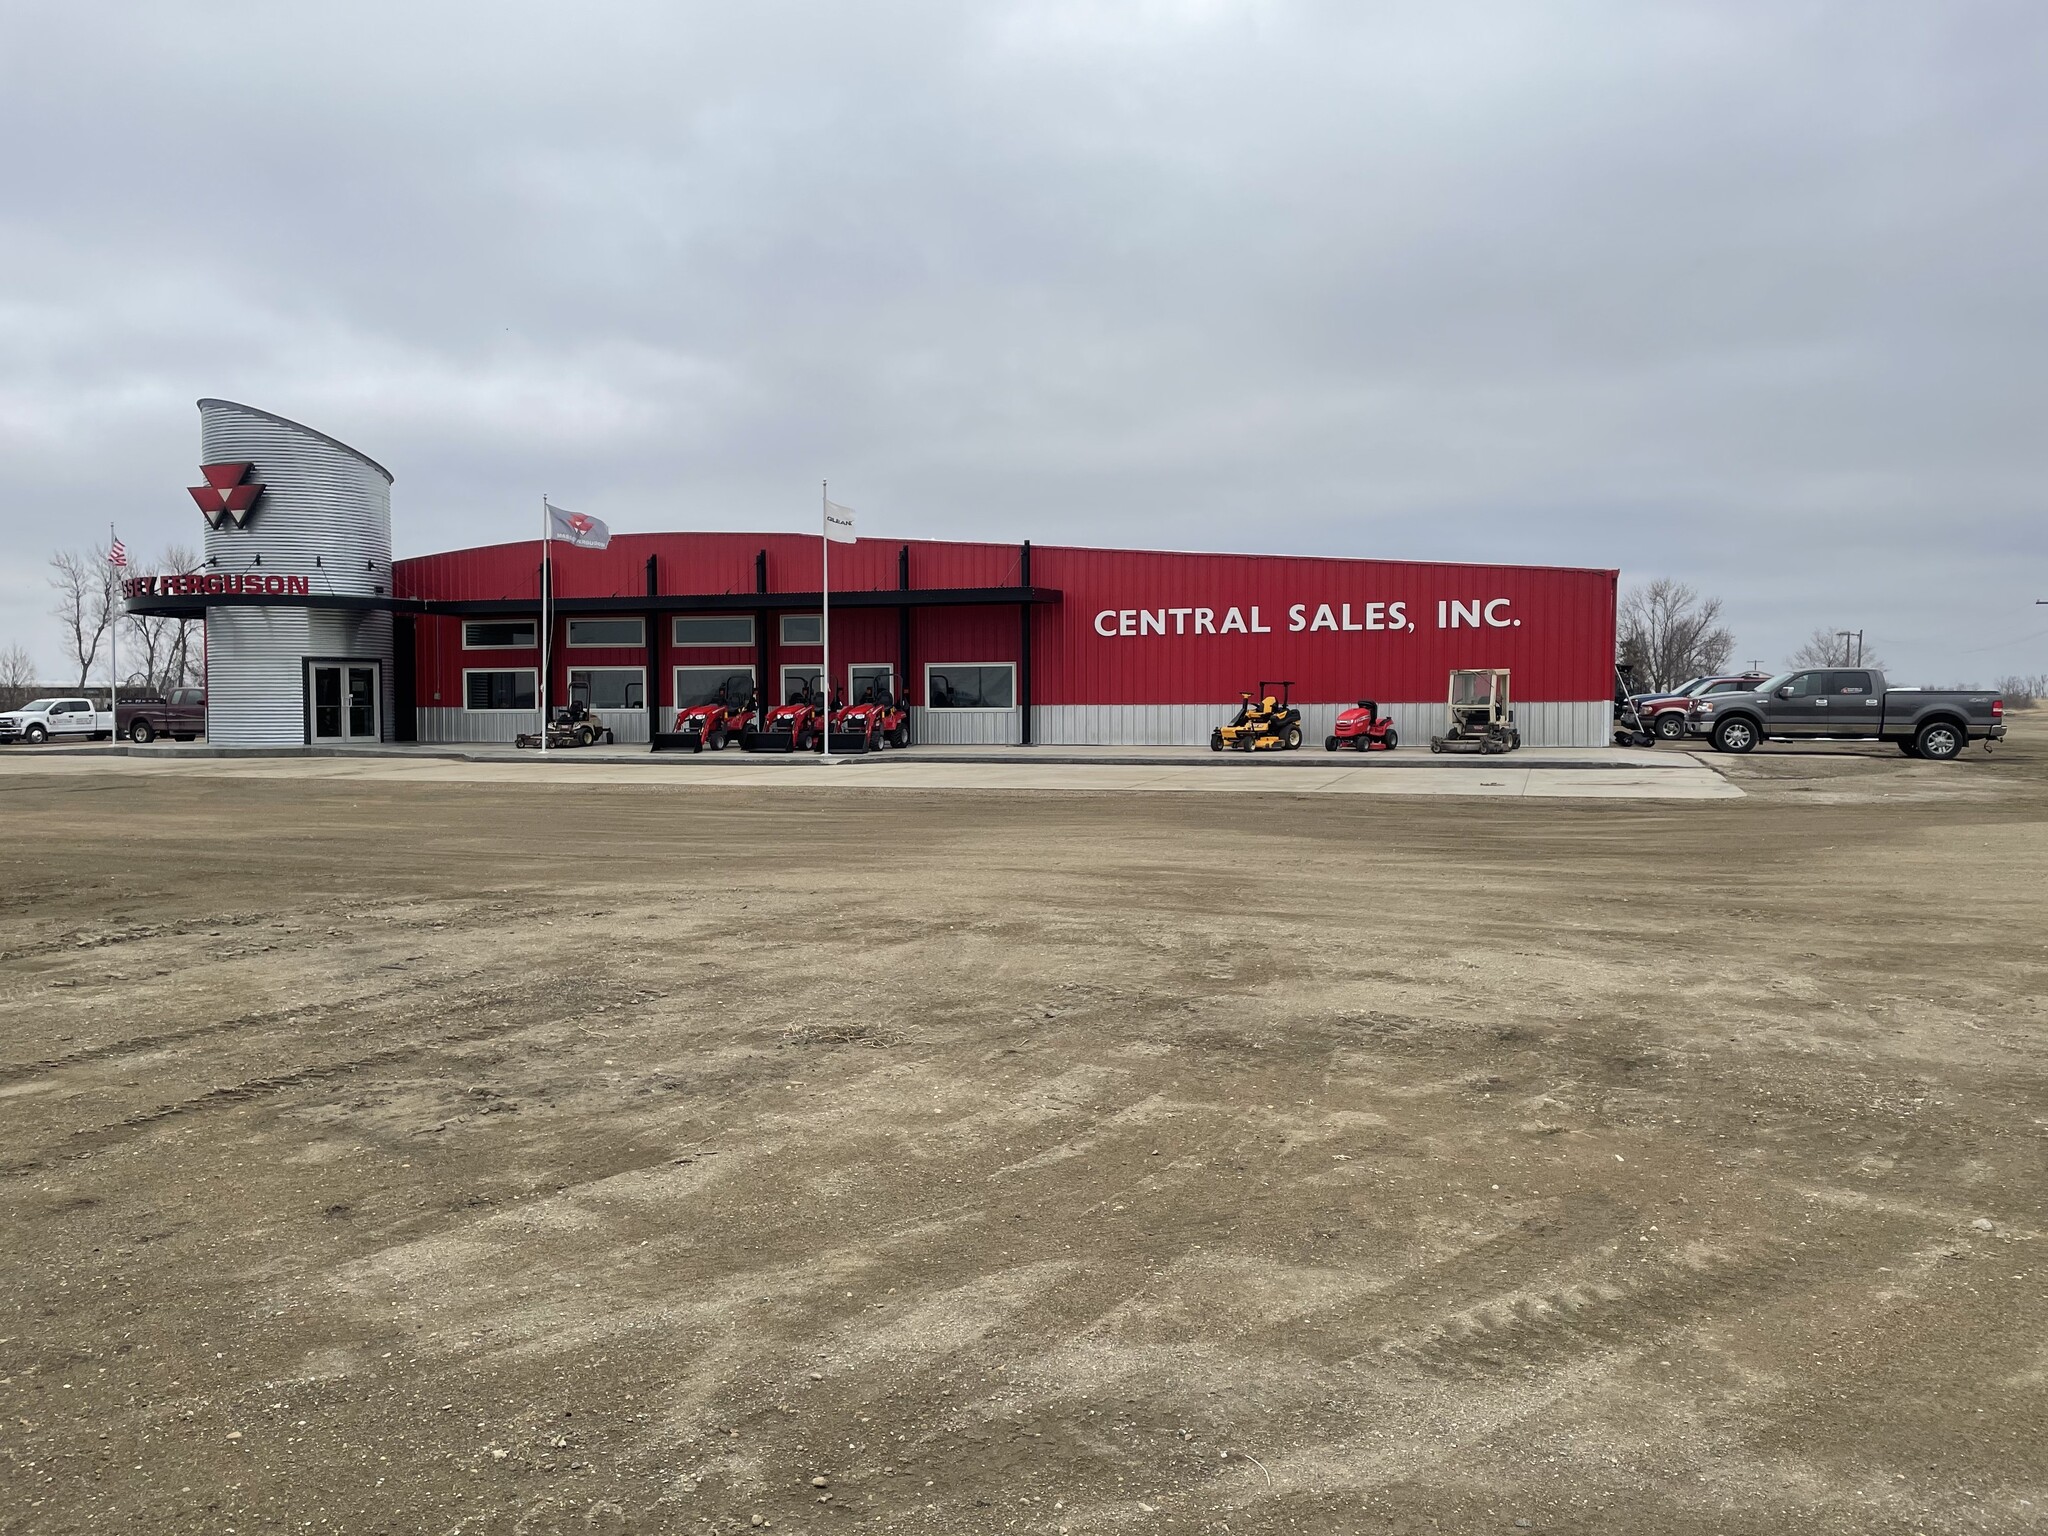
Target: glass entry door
[(344, 701)]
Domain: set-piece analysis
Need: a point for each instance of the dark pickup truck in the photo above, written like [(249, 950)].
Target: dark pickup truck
[(1849, 704), (181, 716)]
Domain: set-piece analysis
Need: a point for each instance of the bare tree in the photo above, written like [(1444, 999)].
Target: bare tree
[(17, 676), (1669, 632), (163, 647), (1833, 648), (84, 584), (2022, 692)]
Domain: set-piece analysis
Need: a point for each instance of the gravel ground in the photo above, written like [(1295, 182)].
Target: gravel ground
[(388, 1157)]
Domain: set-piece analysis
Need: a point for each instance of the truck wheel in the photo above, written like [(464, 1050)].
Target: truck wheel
[(1734, 735), (1939, 741), (141, 732), (35, 735), (1671, 726)]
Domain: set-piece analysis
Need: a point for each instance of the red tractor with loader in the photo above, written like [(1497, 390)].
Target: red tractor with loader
[(1363, 729), (722, 718), (798, 726), (876, 721)]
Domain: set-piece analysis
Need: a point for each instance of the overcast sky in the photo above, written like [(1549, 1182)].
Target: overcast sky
[(1751, 295)]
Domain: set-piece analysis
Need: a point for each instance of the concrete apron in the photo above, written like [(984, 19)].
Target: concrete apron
[(1533, 773)]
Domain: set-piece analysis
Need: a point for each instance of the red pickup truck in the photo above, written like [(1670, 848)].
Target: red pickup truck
[(182, 716)]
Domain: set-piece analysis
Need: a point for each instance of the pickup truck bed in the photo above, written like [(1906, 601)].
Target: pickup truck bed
[(1849, 704)]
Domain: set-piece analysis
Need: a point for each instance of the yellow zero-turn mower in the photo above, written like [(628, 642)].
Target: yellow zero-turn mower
[(1264, 722)]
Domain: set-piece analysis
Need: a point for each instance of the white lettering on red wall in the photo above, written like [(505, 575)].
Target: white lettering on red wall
[(1303, 618)]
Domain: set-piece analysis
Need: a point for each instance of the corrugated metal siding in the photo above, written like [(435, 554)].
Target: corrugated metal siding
[(966, 727), (325, 515), (1566, 724)]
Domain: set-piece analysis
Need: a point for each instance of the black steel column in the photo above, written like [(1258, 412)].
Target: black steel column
[(903, 629), (653, 622), (763, 688), (1024, 655)]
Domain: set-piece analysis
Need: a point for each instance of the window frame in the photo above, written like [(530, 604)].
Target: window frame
[(533, 625), (676, 642), (573, 643), (728, 669), (941, 666), (640, 672), (870, 666), (782, 629), (508, 709), (782, 679)]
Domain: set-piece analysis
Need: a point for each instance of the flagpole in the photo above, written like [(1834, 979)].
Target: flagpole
[(541, 693), (114, 668), (825, 621)]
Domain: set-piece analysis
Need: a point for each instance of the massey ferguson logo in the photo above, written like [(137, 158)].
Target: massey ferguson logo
[(224, 495)]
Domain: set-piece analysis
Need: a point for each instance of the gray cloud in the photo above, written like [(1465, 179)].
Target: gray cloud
[(1741, 293)]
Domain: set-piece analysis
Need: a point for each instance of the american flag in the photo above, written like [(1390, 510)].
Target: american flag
[(118, 554)]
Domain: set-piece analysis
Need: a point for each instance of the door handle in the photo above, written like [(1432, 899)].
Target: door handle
[(1820, 703)]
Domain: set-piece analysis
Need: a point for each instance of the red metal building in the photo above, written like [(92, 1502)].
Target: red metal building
[(992, 642)]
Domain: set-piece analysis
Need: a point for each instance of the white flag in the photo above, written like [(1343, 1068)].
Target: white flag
[(576, 528), (838, 523)]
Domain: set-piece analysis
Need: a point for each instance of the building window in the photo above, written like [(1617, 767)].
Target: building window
[(881, 679), (795, 680), (735, 630), (988, 685), (500, 634), (609, 687), (700, 685), (607, 632), (803, 629), (510, 689)]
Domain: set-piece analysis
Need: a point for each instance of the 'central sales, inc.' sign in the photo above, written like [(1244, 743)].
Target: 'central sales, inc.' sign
[(1451, 613)]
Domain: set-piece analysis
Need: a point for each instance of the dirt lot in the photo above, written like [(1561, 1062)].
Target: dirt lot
[(418, 1159)]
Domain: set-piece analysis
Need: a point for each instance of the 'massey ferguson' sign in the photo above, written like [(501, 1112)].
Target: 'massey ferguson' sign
[(217, 584), (1338, 618)]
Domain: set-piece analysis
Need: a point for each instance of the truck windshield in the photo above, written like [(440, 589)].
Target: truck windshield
[(38, 706), (1773, 684)]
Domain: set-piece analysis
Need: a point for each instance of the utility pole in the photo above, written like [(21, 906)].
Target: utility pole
[(1845, 636)]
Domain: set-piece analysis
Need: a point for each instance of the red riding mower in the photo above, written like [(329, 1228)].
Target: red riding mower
[(1363, 729), (877, 721), (798, 726), (725, 717)]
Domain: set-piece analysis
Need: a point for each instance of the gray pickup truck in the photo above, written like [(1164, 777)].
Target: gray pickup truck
[(1849, 704)]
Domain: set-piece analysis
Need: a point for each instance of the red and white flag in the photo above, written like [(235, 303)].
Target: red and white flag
[(577, 528), (117, 554)]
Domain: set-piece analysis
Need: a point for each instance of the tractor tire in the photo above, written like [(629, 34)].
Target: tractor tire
[(1393, 741), (585, 736), (718, 740), (803, 741), (1669, 726), (141, 732), (1734, 735), (1292, 741), (1939, 741), (1329, 743), (1436, 746), (1907, 748), (1215, 741), (900, 737), (35, 735)]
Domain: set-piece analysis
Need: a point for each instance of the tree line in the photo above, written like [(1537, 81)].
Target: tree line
[(156, 654)]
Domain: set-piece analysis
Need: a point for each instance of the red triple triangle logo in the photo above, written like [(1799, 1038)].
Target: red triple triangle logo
[(224, 495)]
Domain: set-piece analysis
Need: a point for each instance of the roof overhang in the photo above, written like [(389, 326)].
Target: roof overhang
[(196, 604)]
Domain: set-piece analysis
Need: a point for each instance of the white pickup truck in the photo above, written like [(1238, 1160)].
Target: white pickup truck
[(41, 720)]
